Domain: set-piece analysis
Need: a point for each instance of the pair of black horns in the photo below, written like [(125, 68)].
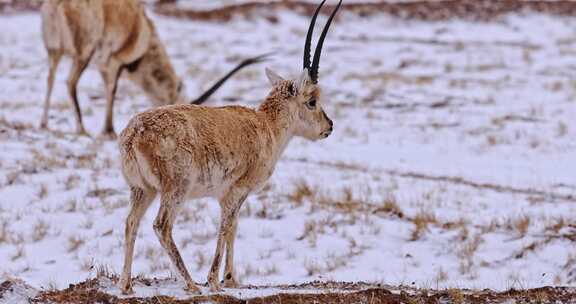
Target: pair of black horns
[(313, 67)]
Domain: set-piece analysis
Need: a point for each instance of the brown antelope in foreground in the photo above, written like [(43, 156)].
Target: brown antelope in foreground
[(185, 151), (117, 35)]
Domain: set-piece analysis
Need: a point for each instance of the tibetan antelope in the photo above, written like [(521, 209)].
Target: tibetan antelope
[(117, 36), (185, 151)]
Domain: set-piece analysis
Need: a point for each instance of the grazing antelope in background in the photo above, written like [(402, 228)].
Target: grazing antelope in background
[(117, 35), (185, 151)]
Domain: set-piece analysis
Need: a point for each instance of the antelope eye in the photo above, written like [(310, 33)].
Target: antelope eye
[(311, 104)]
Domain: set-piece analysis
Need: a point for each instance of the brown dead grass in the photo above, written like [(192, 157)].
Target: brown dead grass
[(302, 191), (478, 10), (320, 292), (390, 207), (521, 225), (421, 222)]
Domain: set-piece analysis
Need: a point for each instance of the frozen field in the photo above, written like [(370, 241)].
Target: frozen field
[(452, 163)]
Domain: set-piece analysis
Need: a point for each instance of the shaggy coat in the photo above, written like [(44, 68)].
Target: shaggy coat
[(185, 151)]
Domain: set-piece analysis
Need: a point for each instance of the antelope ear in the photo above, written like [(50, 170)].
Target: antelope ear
[(302, 80), (273, 77)]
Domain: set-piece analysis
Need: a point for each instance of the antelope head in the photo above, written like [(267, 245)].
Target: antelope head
[(304, 95), (154, 73)]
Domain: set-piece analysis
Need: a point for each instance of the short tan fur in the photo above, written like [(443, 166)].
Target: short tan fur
[(183, 152)]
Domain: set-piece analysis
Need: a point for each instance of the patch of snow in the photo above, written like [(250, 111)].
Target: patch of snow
[(16, 291)]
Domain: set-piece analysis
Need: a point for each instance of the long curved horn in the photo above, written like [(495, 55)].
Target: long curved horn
[(316, 61), (309, 37)]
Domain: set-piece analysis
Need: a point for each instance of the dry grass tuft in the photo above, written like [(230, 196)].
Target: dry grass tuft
[(561, 129), (557, 225), (267, 270), (520, 225), (421, 222), (72, 182), (43, 191), (20, 253), (456, 296), (104, 271), (74, 243), (4, 232), (390, 206), (310, 233), (71, 205), (466, 253), (261, 271), (40, 230), (312, 267), (570, 262), (335, 262), (301, 192), (13, 178), (46, 162), (441, 276), (541, 297), (87, 264)]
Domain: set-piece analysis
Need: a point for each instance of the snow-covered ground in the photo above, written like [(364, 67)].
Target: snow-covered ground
[(212, 4), (452, 163)]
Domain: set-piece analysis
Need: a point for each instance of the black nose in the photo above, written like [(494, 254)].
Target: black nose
[(328, 119)]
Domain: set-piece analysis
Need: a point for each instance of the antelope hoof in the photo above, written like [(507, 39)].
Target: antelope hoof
[(127, 291), (215, 287), (231, 283), (82, 132), (108, 135), (126, 287), (192, 288), (44, 125)]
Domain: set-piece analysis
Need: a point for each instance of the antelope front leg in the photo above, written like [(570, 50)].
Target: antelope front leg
[(230, 207)]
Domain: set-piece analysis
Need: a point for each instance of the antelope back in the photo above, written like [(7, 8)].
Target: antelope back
[(72, 27), (106, 28)]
